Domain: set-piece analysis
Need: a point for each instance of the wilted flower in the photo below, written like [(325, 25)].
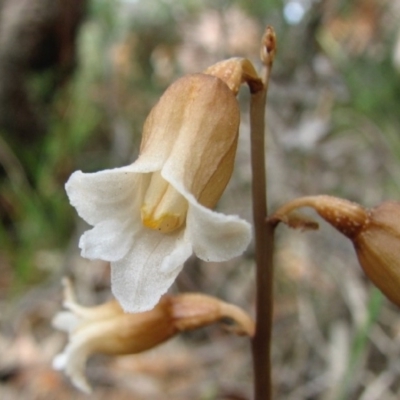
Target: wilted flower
[(106, 329), (375, 234), (150, 216)]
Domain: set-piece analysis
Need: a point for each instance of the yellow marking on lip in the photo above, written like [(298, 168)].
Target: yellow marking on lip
[(164, 209), (167, 223)]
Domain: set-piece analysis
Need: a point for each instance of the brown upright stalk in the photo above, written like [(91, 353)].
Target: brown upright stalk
[(263, 231)]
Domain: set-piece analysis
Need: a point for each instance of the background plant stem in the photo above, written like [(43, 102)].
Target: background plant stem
[(264, 232)]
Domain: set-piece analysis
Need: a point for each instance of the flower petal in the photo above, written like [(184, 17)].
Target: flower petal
[(73, 361), (215, 236), (65, 321), (149, 269), (107, 194), (109, 240)]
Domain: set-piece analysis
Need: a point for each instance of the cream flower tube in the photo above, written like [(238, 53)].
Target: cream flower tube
[(150, 216)]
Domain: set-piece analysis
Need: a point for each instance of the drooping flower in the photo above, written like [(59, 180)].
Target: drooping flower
[(375, 234), (150, 216), (106, 329)]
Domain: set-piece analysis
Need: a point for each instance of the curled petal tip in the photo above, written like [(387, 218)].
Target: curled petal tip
[(236, 71), (295, 220)]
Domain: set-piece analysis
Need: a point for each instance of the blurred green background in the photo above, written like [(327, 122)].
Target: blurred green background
[(333, 125)]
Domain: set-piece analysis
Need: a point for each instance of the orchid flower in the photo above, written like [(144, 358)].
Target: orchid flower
[(150, 216), (106, 329)]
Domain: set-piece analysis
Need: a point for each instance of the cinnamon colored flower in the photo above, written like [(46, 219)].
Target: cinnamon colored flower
[(150, 216), (107, 329)]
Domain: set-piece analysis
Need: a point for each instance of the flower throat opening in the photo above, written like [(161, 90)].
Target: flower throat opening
[(164, 209)]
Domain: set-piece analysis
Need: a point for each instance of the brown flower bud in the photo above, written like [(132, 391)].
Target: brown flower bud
[(269, 46), (375, 234)]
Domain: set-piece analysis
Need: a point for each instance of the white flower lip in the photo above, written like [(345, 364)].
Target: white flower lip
[(194, 149)]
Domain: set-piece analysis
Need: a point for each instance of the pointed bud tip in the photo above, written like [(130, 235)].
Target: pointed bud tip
[(268, 46)]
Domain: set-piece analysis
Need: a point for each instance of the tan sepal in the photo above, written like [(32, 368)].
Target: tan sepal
[(107, 329), (347, 217), (236, 71), (193, 310), (193, 131), (378, 249), (126, 333)]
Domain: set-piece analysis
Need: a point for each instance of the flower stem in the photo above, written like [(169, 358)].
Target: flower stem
[(264, 232)]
